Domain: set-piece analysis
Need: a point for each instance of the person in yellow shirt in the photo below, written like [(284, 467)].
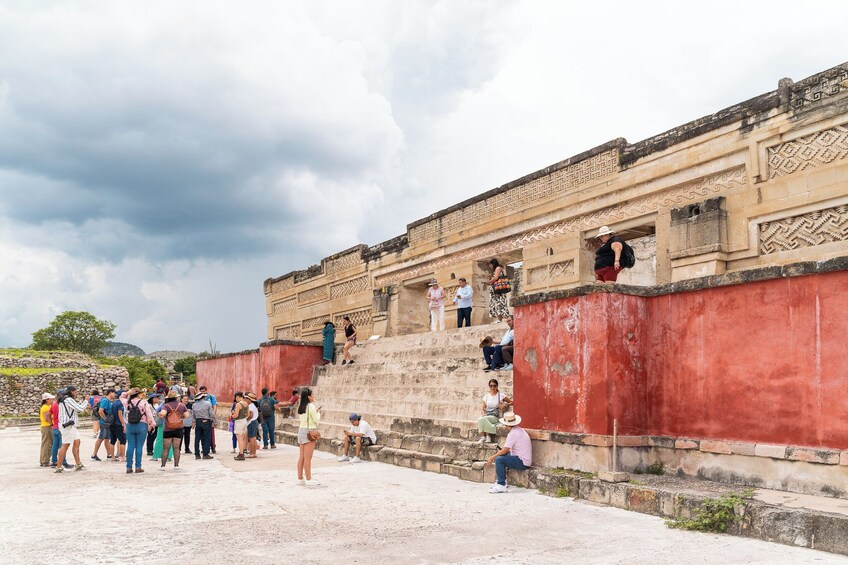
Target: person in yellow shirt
[(46, 428)]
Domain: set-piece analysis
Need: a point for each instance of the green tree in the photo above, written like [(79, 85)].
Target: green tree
[(143, 373), (74, 331), (188, 367)]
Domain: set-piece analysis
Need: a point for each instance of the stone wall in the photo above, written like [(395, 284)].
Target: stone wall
[(21, 394), (757, 184)]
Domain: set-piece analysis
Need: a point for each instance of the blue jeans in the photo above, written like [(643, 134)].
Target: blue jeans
[(504, 462), (493, 356), (136, 439), (268, 431), (463, 314), (57, 443), (202, 437)]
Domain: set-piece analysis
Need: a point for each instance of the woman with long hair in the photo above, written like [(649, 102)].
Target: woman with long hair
[(494, 405), (173, 413), (350, 340), (309, 418), (497, 302)]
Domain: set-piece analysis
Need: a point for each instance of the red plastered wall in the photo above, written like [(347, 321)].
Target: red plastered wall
[(758, 362), (277, 367)]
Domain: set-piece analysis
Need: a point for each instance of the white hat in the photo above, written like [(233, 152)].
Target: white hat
[(604, 231), (47, 396), (510, 419), (433, 282)]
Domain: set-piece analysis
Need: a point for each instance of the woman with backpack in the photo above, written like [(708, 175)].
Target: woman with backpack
[(173, 413), (140, 419), (307, 436)]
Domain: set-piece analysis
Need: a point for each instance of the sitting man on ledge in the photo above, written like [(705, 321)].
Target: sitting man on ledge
[(361, 434), (517, 452), (493, 350)]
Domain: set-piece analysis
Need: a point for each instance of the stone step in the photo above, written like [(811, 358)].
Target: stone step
[(468, 377), (451, 352), (457, 392), (445, 338), (337, 420), (420, 364), (469, 409)]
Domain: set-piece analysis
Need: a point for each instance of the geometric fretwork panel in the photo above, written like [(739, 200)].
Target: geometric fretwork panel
[(349, 287), (313, 294), (814, 228), (287, 332), (316, 322), (541, 275), (808, 152), (357, 318), (344, 262), (285, 306)]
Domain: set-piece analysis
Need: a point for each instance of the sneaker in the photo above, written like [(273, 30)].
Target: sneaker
[(176, 467), (507, 367), (79, 467), (95, 458), (350, 362), (117, 459), (312, 483), (59, 470), (273, 447), (129, 471), (344, 362), (483, 439), (208, 457), (301, 482), (487, 369), (356, 460), (213, 451), (239, 457), (234, 451), (139, 470), (343, 458), (264, 447), (67, 465), (197, 457), (497, 489)]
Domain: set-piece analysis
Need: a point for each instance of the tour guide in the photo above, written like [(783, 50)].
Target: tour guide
[(517, 452)]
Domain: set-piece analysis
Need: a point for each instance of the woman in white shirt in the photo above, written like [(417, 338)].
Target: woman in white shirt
[(309, 418), (494, 403)]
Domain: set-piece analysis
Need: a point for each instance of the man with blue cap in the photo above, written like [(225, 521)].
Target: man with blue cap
[(360, 434)]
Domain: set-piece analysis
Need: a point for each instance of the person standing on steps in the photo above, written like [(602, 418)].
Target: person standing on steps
[(517, 452), (329, 335), (307, 436), (350, 340), (464, 301), (139, 420), (267, 409), (69, 409), (497, 302), (436, 305), (46, 429), (608, 256), (172, 413)]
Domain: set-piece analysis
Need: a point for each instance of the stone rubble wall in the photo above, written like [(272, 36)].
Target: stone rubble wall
[(21, 394)]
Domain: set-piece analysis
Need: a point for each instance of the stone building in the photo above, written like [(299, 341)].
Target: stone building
[(761, 183)]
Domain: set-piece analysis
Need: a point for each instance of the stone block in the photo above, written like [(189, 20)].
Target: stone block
[(661, 441), (567, 438), (612, 476), (773, 451), (644, 500), (539, 435), (843, 458), (811, 455), (686, 444), (598, 440), (618, 495), (712, 446), (632, 441), (478, 465), (594, 491), (741, 448)]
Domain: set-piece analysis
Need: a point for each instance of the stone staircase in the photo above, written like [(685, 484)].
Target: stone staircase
[(422, 395)]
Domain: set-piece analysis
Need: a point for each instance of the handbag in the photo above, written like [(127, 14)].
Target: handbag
[(311, 435), (502, 286)]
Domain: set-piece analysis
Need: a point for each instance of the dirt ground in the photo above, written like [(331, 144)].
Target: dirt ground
[(224, 511)]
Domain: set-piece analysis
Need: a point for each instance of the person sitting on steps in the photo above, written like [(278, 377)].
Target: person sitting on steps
[(517, 452), (360, 434), (494, 403), (493, 352)]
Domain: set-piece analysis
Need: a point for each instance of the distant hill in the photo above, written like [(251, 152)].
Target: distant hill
[(116, 349), (170, 355)]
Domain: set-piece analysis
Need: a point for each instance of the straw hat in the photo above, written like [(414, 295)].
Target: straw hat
[(250, 396), (433, 282), (604, 231), (171, 394), (510, 419), (488, 340)]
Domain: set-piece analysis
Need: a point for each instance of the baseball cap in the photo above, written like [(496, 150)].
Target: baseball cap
[(354, 416)]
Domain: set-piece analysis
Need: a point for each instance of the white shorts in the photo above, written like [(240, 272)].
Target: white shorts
[(240, 426), (69, 434)]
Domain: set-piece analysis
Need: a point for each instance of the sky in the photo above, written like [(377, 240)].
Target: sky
[(160, 160)]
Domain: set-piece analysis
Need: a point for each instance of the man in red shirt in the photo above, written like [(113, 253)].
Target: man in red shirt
[(57, 437)]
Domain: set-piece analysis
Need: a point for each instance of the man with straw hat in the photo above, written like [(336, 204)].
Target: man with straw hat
[(517, 452)]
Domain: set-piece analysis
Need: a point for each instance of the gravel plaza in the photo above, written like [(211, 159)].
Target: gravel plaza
[(225, 511)]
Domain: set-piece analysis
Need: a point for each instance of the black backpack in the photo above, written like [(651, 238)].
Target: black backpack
[(266, 408), (133, 413), (628, 256), (110, 415)]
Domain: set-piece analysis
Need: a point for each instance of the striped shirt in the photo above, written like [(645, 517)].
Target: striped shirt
[(68, 410)]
